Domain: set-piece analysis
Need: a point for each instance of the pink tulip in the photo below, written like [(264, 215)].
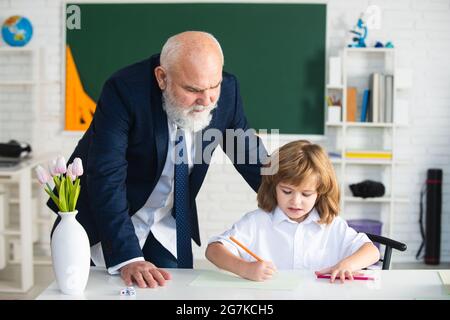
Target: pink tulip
[(42, 175), (77, 168), (70, 172), (52, 168), (60, 165)]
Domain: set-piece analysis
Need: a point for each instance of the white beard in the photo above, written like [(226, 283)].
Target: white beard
[(187, 118)]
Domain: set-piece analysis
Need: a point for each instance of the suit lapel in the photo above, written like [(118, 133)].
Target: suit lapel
[(160, 127)]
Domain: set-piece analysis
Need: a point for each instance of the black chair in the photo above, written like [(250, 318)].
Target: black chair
[(389, 244)]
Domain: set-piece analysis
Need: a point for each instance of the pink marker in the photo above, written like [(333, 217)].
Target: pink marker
[(328, 276)]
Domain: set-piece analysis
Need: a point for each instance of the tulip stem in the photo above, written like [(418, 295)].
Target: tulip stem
[(48, 186)]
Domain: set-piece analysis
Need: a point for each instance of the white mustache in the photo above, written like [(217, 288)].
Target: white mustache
[(188, 117), (201, 108)]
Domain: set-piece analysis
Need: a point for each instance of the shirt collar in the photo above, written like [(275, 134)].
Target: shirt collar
[(314, 217), (279, 216), (173, 129)]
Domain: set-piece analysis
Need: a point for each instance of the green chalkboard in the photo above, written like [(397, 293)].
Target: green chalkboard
[(277, 51)]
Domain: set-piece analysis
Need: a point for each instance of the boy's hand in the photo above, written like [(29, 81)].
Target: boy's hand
[(258, 270), (342, 270)]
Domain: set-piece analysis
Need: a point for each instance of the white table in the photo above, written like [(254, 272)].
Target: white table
[(392, 284)]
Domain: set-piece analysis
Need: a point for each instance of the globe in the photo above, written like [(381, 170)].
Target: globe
[(17, 31)]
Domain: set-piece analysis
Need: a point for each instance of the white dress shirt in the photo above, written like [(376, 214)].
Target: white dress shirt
[(156, 214), (292, 245)]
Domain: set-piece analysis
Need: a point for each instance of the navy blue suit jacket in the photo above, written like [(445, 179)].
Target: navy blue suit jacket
[(124, 152)]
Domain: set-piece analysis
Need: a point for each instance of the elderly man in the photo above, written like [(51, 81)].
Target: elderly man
[(137, 200)]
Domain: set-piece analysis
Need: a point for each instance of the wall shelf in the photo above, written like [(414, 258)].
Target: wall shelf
[(368, 162), (369, 125), (350, 136), (10, 232), (365, 125), (376, 200), (370, 50), (28, 80), (17, 49), (335, 87), (18, 83)]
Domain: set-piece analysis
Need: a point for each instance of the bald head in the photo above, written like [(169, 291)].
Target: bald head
[(193, 48), (190, 77), (191, 68)]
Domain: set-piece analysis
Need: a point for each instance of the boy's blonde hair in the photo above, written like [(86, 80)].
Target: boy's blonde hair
[(297, 161)]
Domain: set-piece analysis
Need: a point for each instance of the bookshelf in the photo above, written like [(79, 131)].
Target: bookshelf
[(358, 64), (25, 223), (20, 77)]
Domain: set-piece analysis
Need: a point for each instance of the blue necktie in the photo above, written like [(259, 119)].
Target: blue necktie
[(181, 203)]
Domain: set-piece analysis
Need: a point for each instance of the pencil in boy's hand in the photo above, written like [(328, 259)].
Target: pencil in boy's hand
[(245, 249)]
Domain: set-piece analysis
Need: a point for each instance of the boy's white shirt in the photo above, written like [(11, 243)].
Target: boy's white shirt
[(292, 245)]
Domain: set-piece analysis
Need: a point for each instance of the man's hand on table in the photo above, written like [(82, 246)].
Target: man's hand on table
[(145, 274)]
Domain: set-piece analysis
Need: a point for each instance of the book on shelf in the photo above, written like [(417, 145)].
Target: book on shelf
[(374, 105), (334, 155), (351, 104), (365, 105), (368, 154), (381, 97), (389, 81)]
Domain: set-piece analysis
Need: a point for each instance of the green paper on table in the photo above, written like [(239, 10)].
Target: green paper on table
[(445, 277), (282, 280)]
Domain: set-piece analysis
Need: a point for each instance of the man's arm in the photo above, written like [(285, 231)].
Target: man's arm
[(107, 172), (106, 184)]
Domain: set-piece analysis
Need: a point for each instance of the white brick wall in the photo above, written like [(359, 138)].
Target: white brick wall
[(419, 29)]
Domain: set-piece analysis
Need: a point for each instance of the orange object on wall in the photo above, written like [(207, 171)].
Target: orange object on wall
[(80, 107)]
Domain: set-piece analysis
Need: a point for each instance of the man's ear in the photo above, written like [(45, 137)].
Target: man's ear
[(161, 77)]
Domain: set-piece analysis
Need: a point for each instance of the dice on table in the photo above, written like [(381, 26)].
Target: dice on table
[(128, 291)]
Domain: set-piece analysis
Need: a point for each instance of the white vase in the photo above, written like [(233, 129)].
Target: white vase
[(71, 254)]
